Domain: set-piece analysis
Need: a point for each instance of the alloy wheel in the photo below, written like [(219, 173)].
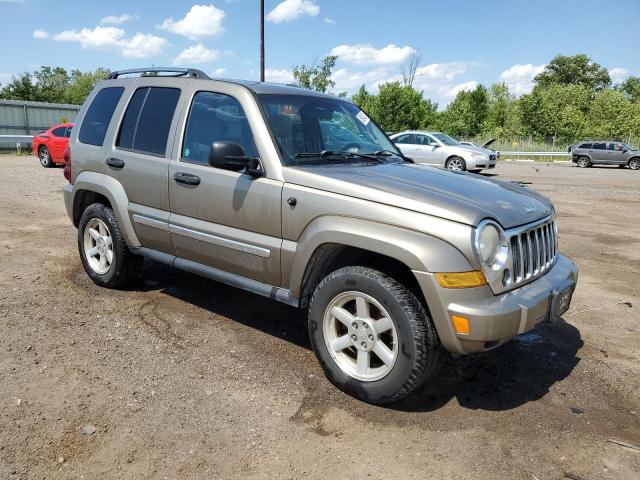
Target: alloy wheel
[(634, 164), (360, 336), (98, 246), (45, 157), (455, 164)]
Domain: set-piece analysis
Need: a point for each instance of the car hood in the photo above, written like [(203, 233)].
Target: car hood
[(468, 148), (457, 196)]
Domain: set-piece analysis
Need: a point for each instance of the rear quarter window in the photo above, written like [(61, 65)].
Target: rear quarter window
[(146, 123), (96, 120), (586, 145)]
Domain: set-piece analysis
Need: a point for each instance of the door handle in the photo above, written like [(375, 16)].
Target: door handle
[(186, 178), (115, 163)]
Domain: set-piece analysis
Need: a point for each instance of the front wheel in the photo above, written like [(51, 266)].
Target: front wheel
[(583, 162), (634, 164), (456, 164), (371, 335), (103, 250)]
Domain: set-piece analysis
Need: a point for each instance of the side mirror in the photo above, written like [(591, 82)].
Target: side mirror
[(231, 156), (625, 150)]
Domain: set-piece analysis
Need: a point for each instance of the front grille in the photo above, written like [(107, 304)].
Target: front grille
[(533, 251)]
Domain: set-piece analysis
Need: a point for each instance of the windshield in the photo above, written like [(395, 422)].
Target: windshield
[(304, 124), (446, 139)]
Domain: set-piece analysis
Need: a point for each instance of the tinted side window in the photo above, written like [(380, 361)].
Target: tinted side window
[(600, 146), (146, 123), (406, 138), (96, 120), (215, 117), (60, 132), (586, 145)]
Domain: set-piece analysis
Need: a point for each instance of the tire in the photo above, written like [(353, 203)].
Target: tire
[(411, 339), (634, 163), (456, 164), (45, 157), (583, 162), (123, 264)]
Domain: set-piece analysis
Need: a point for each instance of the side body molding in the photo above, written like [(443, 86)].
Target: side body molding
[(419, 251), (114, 192)]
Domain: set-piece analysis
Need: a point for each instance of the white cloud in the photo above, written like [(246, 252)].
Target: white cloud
[(465, 86), (618, 74), (443, 71), (118, 19), (5, 78), (290, 10), (361, 54), (40, 34), (201, 21), (330, 20), (278, 75), (519, 77), (219, 72), (350, 81), (195, 54), (112, 38)]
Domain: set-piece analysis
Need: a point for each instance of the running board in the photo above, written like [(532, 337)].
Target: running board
[(238, 281)]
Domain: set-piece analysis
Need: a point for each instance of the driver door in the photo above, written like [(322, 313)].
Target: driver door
[(429, 150), (223, 218)]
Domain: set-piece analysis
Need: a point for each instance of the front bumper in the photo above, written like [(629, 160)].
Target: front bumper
[(495, 319), (478, 164)]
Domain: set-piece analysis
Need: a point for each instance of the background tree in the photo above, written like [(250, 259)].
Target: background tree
[(316, 77), (574, 70), (465, 116), (631, 88), (81, 84), (408, 69)]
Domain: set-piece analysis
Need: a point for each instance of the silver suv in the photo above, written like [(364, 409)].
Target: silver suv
[(441, 150), (300, 197), (590, 153)]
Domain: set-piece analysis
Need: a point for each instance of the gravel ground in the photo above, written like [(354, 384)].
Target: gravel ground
[(181, 377)]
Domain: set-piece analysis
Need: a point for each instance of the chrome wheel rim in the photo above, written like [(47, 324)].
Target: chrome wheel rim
[(634, 164), (44, 156), (360, 336), (98, 246), (583, 162), (455, 164)]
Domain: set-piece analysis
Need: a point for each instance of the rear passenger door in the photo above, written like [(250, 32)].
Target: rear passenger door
[(139, 159), (223, 218), (599, 153), (405, 143), (58, 142)]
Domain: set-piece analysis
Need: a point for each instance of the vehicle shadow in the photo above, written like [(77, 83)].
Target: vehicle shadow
[(260, 313), (518, 372)]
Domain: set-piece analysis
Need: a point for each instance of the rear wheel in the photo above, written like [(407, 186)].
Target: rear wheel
[(371, 335), (45, 157), (456, 164), (583, 162), (634, 164), (103, 250)]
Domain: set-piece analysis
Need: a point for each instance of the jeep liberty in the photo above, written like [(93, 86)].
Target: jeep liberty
[(300, 197)]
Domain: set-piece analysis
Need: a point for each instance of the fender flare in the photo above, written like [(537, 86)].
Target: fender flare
[(418, 251), (114, 192)]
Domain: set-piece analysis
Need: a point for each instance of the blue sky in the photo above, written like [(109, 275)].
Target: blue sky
[(461, 42)]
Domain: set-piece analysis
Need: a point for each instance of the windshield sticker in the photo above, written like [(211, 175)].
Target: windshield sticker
[(363, 118)]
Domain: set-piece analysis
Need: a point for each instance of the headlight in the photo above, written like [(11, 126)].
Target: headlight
[(491, 245), (479, 156)]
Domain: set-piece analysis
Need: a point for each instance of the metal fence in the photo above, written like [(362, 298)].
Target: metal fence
[(22, 119)]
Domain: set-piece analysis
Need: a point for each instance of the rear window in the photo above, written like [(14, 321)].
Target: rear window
[(586, 145), (600, 146), (96, 120), (146, 123), (60, 132)]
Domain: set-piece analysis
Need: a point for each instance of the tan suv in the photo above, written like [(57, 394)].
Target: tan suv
[(300, 197)]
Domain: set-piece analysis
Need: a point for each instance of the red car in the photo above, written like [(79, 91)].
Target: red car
[(49, 146)]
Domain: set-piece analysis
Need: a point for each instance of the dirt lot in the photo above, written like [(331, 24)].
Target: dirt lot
[(186, 378)]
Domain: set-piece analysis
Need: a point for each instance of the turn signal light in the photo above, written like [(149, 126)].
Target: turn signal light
[(460, 324), (461, 279)]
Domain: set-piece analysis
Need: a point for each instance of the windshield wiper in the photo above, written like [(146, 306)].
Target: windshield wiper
[(390, 153), (334, 153)]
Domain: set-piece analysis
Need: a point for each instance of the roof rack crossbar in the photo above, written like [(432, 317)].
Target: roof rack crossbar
[(178, 72)]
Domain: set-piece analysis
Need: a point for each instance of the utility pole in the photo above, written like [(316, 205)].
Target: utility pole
[(262, 40)]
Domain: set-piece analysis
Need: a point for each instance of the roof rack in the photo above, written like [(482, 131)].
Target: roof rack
[(177, 72)]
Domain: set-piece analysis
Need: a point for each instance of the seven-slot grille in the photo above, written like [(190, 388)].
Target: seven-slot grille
[(533, 251)]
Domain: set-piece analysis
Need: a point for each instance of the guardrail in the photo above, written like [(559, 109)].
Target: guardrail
[(535, 154), (20, 141)]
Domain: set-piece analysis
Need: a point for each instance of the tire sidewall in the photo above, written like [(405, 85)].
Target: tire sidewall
[(637, 164), (585, 162), (105, 214), (376, 391)]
